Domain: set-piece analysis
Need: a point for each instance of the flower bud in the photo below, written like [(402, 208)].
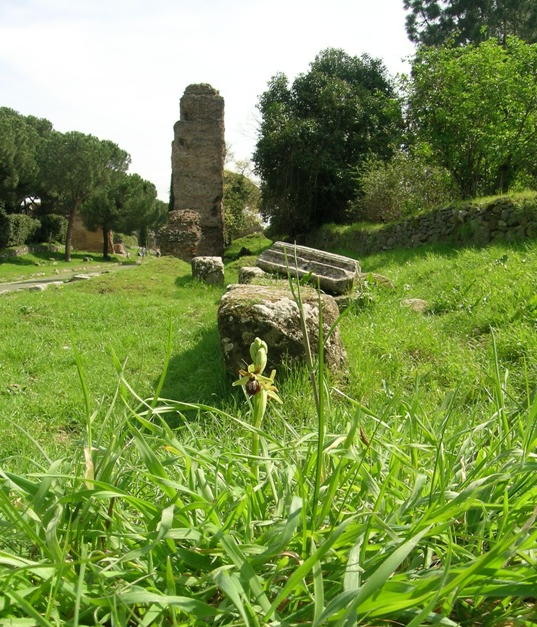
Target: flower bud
[(258, 353)]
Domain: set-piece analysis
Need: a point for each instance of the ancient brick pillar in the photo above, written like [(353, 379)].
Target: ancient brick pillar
[(198, 151)]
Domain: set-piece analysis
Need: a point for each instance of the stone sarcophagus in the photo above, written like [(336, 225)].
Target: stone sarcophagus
[(198, 152), (334, 273)]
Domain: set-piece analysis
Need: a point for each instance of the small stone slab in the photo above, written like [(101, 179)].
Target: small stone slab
[(248, 274), (271, 313), (40, 287), (208, 270), (80, 277), (416, 304), (336, 274)]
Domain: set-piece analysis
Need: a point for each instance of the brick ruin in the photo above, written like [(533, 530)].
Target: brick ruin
[(198, 152)]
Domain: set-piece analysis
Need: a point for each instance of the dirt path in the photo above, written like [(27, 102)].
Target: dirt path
[(15, 286)]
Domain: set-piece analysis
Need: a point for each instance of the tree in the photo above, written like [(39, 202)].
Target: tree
[(242, 200), (73, 167), (435, 22), (20, 138), (125, 203), (18, 165), (316, 132), (476, 107)]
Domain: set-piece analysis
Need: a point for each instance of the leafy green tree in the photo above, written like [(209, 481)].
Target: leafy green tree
[(18, 164), (20, 138), (435, 22), (242, 199), (73, 167), (316, 132), (125, 203), (476, 107), (405, 185)]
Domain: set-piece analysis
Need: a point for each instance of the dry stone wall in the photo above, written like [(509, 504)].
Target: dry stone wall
[(502, 219), (198, 152)]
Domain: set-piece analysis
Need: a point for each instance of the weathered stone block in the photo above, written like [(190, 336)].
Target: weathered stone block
[(335, 273), (208, 270), (181, 235), (270, 312), (248, 274)]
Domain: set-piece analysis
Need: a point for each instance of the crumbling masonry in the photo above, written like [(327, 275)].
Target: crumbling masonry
[(198, 152)]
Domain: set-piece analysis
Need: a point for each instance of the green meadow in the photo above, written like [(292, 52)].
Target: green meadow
[(133, 493)]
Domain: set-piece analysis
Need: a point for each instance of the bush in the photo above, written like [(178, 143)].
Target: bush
[(16, 229), (53, 228), (402, 186)]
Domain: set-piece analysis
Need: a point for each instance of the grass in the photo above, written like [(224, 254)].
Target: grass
[(35, 265), (406, 497), (255, 244)]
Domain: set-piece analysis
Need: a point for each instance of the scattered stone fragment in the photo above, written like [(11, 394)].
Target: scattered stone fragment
[(271, 313), (40, 287), (248, 274), (335, 273), (379, 279), (208, 270), (416, 304), (80, 277)]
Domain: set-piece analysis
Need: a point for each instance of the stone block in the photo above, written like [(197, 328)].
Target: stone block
[(248, 274), (335, 273), (271, 313), (208, 270)]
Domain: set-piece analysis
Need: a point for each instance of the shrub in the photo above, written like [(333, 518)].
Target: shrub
[(53, 228), (16, 229), (402, 186)]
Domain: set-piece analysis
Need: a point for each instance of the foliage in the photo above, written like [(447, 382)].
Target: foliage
[(74, 166), (477, 109), (18, 164), (253, 244), (316, 132), (402, 186), (436, 22), (125, 202), (241, 202), (16, 229), (53, 228)]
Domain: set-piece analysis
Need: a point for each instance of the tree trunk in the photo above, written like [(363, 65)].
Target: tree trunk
[(69, 234), (106, 238)]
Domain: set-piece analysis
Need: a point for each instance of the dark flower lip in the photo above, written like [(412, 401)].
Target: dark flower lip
[(253, 387)]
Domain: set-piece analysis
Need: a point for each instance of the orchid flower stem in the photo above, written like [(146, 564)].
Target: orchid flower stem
[(259, 406)]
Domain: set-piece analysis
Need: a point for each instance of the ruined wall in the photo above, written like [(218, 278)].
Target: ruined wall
[(83, 239), (502, 219), (198, 152)]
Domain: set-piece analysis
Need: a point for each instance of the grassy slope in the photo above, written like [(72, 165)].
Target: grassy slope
[(392, 350), (392, 471), (35, 265), (474, 294), (129, 312)]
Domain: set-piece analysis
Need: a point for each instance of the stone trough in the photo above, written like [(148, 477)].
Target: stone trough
[(335, 274)]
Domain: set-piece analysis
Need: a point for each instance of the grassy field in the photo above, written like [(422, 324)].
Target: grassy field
[(407, 496), (35, 265)]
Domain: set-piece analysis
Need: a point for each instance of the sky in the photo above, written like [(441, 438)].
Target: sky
[(117, 68)]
